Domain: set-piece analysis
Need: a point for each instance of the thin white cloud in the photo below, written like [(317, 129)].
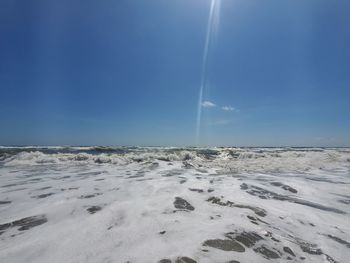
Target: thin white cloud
[(228, 108), (208, 104)]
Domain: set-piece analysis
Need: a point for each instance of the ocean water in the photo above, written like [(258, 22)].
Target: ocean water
[(156, 204)]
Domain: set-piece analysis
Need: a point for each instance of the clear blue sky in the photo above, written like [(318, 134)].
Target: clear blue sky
[(128, 72)]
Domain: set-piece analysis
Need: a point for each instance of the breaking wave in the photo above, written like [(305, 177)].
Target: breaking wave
[(232, 160)]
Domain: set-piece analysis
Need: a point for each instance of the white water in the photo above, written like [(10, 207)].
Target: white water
[(136, 188)]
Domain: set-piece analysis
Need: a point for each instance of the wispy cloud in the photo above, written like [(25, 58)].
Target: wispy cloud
[(208, 104), (228, 108)]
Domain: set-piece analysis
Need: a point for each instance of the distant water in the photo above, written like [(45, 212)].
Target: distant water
[(146, 204)]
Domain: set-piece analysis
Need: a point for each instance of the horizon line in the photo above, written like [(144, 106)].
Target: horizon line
[(174, 146)]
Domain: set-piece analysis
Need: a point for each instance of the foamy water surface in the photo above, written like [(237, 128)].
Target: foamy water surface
[(154, 204)]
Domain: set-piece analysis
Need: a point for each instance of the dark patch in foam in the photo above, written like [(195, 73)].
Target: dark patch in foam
[(185, 260), (164, 159), (24, 223), (182, 204), (173, 173), (69, 189), (289, 251), (256, 210), (44, 188), (284, 187), (187, 165), (344, 201), (89, 196), (62, 177), (37, 180), (214, 217), (93, 209), (224, 244), (11, 185), (201, 170), (312, 249), (266, 194), (319, 179), (330, 259), (251, 239), (15, 190), (269, 234), (255, 220), (140, 173), (267, 253), (43, 195), (339, 240), (246, 238), (92, 173), (345, 196), (196, 190), (144, 179), (135, 176), (99, 160), (5, 202)]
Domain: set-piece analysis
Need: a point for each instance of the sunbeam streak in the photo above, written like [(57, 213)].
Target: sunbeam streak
[(212, 25)]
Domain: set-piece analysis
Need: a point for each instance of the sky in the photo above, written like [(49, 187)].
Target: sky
[(129, 72)]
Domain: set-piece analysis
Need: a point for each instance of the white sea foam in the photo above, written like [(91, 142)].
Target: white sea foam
[(98, 204)]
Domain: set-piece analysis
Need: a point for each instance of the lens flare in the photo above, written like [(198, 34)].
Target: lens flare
[(213, 23)]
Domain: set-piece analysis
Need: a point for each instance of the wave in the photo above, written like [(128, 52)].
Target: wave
[(232, 160)]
